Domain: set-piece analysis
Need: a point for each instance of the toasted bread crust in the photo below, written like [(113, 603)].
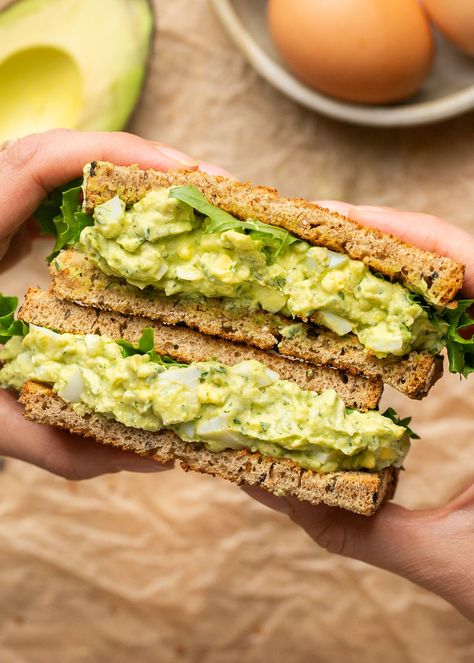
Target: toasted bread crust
[(187, 345), (76, 278), (437, 278), (413, 375), (360, 492)]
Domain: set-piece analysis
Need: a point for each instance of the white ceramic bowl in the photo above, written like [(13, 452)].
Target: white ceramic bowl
[(447, 91)]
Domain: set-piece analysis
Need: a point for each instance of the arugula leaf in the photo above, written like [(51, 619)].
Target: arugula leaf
[(61, 215), (219, 221), (70, 223), (393, 416), (146, 346), (434, 316), (51, 207), (8, 325), (460, 345), (194, 198)]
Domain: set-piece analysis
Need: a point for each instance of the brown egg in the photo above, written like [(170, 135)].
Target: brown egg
[(455, 19), (372, 51)]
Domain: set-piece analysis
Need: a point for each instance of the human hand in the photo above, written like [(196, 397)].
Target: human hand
[(29, 169), (431, 547)]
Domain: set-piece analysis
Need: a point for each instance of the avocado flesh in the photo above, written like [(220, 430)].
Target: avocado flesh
[(160, 242), (69, 63), (245, 406)]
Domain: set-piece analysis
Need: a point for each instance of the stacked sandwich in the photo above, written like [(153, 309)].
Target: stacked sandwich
[(196, 318)]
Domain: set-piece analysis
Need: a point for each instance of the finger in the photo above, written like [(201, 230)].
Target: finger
[(205, 166), (393, 539), (175, 155), (423, 230), (215, 170), (280, 504), (4, 245), (463, 497), (69, 456), (34, 165), (335, 206), (345, 208), (432, 548)]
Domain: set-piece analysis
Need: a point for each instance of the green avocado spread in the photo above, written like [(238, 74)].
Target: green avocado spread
[(245, 406), (161, 242)]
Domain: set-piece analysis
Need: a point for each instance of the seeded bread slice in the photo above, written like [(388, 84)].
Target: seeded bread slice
[(437, 278), (360, 492), (187, 345), (76, 278)]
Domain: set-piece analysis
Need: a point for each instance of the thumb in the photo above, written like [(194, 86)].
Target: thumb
[(70, 456), (32, 166), (426, 231)]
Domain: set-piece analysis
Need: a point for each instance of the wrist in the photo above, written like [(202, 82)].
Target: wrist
[(440, 557)]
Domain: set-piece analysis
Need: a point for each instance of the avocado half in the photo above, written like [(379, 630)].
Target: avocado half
[(71, 63)]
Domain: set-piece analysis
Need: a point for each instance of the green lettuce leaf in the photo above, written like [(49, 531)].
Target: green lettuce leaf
[(460, 345), (433, 315), (61, 215), (146, 346), (8, 325), (393, 416), (51, 207), (277, 239)]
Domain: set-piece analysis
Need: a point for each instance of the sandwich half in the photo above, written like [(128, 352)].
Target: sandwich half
[(99, 374), (195, 318), (245, 264), (186, 345)]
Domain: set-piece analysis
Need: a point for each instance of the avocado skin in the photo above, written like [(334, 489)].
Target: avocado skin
[(149, 60), (122, 86)]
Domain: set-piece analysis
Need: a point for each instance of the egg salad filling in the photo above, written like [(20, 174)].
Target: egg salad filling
[(245, 406), (162, 243)]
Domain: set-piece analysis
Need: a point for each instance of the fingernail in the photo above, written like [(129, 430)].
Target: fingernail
[(180, 157), (369, 208), (334, 206), (376, 209), (5, 144), (270, 500), (211, 169)]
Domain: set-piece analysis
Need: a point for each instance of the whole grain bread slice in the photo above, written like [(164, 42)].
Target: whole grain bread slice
[(437, 278), (360, 492), (75, 277), (187, 345)]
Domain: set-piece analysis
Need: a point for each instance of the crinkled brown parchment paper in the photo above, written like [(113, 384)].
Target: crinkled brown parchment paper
[(178, 567)]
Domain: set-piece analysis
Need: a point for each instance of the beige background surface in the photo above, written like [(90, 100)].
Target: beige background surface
[(185, 568)]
